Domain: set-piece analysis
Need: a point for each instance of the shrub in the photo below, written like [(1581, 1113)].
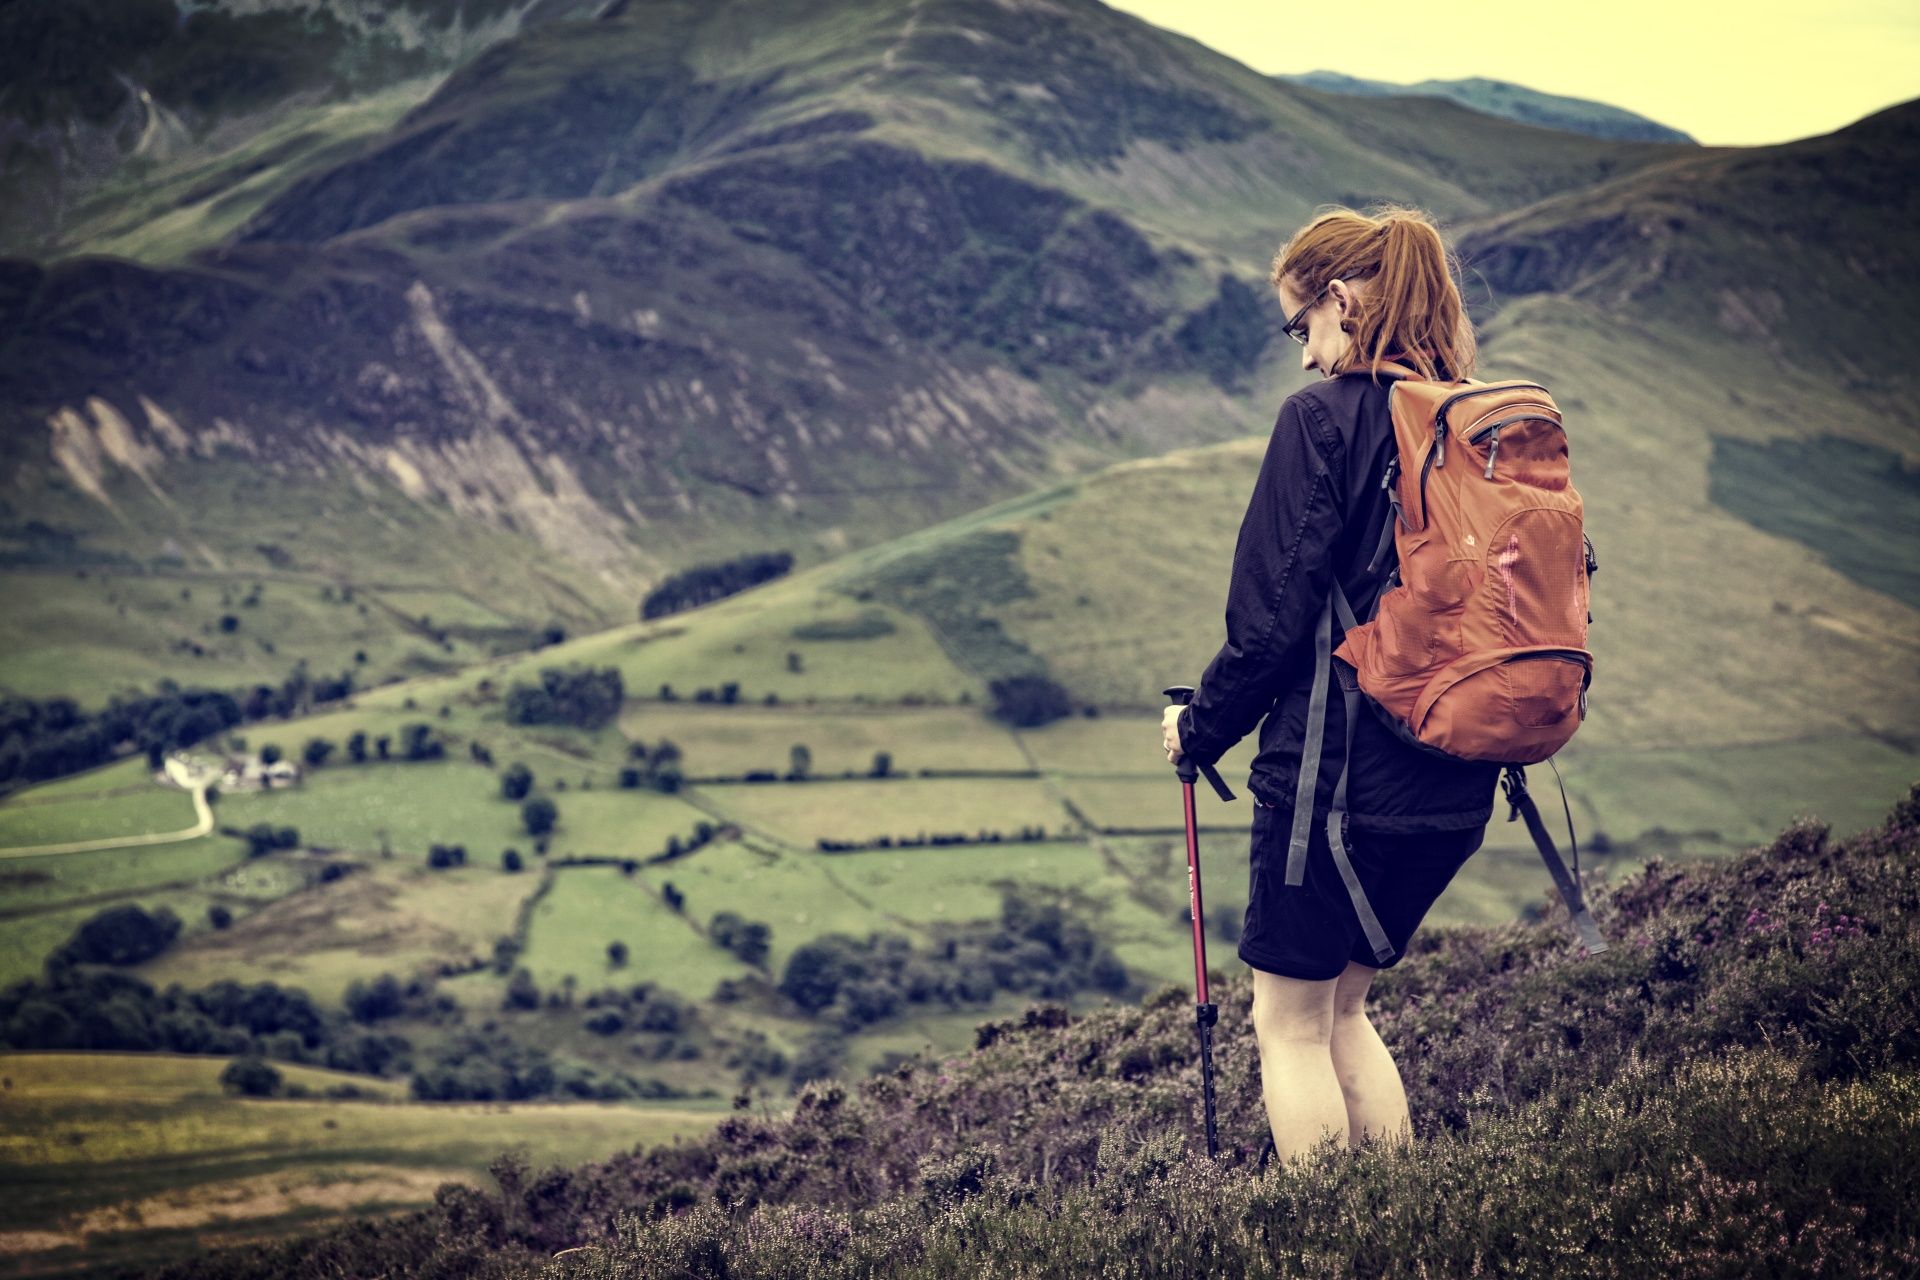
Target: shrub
[(250, 1077)]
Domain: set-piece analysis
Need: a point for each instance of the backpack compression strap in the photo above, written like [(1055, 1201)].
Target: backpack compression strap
[(1514, 783), (1310, 772)]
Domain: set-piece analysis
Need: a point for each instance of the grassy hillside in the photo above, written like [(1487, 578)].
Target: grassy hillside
[(1730, 1089), (110, 1157)]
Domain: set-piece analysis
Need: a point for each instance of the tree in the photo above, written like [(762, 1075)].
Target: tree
[(420, 743), (357, 746), (269, 754), (371, 1001), (250, 1077), (802, 760), (510, 860), (122, 935), (675, 899), (218, 916), (539, 814), (521, 991), (617, 955), (1026, 701), (882, 764), (316, 751), (516, 781)]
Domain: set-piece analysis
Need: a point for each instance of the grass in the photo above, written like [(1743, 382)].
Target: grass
[(736, 740), (589, 907), (143, 1153), (392, 917), (902, 808)]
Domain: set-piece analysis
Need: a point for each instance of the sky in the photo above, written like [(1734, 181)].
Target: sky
[(1730, 74)]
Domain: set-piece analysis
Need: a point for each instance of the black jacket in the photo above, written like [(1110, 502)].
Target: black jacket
[(1318, 505)]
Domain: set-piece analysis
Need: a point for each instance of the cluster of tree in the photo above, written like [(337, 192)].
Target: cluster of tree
[(581, 697), (52, 737), (704, 583), (750, 940), (418, 741), (119, 935), (263, 838), (480, 1067), (1026, 701), (389, 996), (441, 856), (641, 1007), (1026, 834), (1032, 947), (657, 768), (78, 1007)]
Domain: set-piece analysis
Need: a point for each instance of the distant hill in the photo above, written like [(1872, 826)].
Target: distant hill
[(1509, 101)]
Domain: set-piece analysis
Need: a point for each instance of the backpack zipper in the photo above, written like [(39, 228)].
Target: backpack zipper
[(1586, 677), (1439, 454), (1494, 428)]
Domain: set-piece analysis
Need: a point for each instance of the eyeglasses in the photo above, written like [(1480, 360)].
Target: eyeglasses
[(1293, 329)]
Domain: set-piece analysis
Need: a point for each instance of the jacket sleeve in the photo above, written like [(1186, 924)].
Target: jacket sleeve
[(1282, 575)]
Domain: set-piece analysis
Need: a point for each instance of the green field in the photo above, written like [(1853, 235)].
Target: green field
[(143, 1155)]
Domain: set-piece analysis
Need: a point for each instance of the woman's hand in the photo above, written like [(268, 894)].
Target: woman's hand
[(1170, 732)]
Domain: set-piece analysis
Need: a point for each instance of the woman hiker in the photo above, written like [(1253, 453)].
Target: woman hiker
[(1358, 291)]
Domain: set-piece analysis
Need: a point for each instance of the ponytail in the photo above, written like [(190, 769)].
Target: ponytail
[(1411, 308)]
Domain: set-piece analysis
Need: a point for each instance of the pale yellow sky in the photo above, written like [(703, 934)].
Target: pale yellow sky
[(1730, 74)]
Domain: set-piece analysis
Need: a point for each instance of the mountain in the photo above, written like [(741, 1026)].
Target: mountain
[(99, 98), (685, 279), (1510, 101), (683, 282)]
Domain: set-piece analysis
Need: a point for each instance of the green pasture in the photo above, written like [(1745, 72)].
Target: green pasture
[(33, 884), (743, 639), (128, 1156), (150, 810), (589, 907), (858, 810), (1125, 743), (613, 822), (799, 896), (112, 631), (735, 740), (444, 608), (409, 804)]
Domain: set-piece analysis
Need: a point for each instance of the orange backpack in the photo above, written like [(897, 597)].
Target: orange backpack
[(1477, 646)]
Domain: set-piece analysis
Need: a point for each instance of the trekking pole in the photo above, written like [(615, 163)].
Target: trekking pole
[(1204, 1012)]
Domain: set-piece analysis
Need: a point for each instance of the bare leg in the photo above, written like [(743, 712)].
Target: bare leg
[(1292, 1024), (1375, 1098)]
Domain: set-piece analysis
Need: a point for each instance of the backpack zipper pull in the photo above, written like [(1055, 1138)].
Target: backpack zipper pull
[(1491, 450), (1439, 443)]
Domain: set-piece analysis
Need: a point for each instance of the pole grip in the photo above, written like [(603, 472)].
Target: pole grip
[(1184, 768)]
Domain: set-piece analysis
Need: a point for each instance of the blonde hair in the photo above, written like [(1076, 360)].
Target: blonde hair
[(1413, 305)]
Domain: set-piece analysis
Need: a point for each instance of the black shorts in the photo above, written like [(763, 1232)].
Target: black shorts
[(1310, 930)]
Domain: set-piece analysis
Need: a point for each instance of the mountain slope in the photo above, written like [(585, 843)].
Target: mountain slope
[(686, 270), (1744, 1057)]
